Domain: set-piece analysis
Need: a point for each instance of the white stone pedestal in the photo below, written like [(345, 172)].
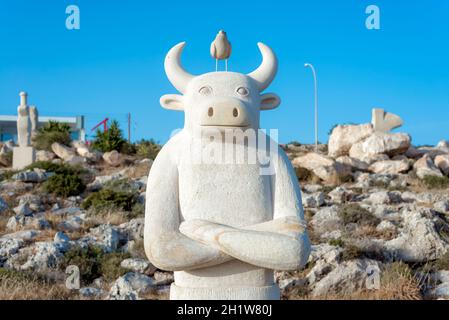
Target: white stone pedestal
[(22, 157)]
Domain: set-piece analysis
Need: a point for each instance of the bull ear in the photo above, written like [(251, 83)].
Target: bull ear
[(269, 101), (172, 102)]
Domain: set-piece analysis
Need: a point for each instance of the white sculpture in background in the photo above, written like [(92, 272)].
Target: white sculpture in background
[(384, 122), (222, 227), (24, 154), (34, 118), (23, 122)]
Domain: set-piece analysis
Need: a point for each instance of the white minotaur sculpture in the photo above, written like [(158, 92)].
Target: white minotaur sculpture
[(222, 227), (23, 122), (24, 154), (221, 49)]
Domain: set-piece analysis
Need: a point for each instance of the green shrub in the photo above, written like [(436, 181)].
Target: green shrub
[(94, 263), (50, 133), (63, 169), (147, 149), (107, 198), (109, 140), (64, 185), (354, 213), (434, 182), (337, 242)]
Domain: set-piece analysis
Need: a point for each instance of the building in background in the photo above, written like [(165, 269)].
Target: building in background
[(8, 126)]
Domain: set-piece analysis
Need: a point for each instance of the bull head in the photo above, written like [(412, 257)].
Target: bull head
[(221, 99)]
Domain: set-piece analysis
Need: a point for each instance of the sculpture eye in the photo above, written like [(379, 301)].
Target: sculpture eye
[(243, 91), (206, 91)]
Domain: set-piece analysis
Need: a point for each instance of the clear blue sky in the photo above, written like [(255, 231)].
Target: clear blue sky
[(114, 64)]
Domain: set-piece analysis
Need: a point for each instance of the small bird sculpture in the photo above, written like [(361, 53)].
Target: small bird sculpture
[(220, 49)]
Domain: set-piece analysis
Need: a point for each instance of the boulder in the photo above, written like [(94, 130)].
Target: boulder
[(44, 257), (35, 176), (426, 167), (347, 278), (354, 164), (67, 154), (344, 136), (91, 292), (322, 166), (391, 144), (443, 144), (84, 151), (314, 200), (442, 162), (136, 265), (384, 197), (43, 155), (130, 287), (9, 246), (390, 166), (326, 219), (419, 240), (113, 158), (23, 209)]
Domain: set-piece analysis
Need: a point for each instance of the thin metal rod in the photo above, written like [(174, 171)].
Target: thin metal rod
[(316, 103)]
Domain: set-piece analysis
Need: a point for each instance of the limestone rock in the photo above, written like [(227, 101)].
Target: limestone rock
[(130, 287), (344, 136), (390, 166), (66, 154), (326, 219), (391, 144), (354, 164), (322, 166), (314, 200), (91, 292), (346, 278), (44, 256), (35, 176), (136, 265), (384, 197), (84, 151), (112, 158), (442, 162), (9, 246), (43, 155), (419, 240), (426, 167)]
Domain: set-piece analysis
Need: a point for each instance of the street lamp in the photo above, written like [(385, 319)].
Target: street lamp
[(309, 65)]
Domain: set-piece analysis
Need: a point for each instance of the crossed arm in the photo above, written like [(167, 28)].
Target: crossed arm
[(280, 244)]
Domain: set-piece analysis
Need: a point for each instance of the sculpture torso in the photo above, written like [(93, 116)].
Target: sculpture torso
[(231, 194)]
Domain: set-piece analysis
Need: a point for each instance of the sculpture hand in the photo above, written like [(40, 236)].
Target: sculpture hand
[(204, 231)]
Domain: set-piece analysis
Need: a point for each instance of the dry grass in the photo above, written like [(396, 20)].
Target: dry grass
[(368, 231), (20, 286)]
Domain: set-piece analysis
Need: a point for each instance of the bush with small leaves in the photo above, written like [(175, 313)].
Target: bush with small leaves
[(94, 263), (434, 182), (50, 133), (354, 213), (148, 149), (64, 185), (110, 140), (107, 199)]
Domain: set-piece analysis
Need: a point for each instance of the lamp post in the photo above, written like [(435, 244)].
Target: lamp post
[(309, 65)]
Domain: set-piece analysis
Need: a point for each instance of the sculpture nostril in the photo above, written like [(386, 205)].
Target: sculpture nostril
[(235, 112), (210, 112)]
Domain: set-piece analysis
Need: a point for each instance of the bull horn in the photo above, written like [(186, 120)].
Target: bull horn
[(266, 72), (178, 77)]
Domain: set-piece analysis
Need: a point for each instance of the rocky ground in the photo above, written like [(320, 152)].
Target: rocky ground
[(376, 206)]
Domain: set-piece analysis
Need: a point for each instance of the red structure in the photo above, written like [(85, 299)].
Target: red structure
[(104, 123)]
